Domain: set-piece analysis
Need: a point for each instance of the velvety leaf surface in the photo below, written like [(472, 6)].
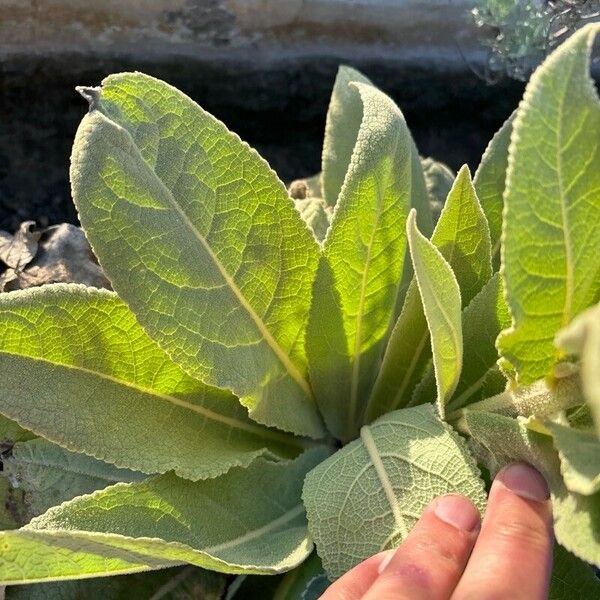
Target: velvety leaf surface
[(490, 180), (572, 578), (551, 235), (344, 118), (35, 556), (200, 238), (582, 338), (482, 320), (498, 440), (77, 369), (247, 521), (579, 453), (315, 214), (357, 283), (179, 583), (462, 237), (367, 496), (50, 475), (440, 296)]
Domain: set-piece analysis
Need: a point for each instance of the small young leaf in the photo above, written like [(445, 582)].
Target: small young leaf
[(50, 475), (201, 240), (499, 440), (482, 320), (363, 256), (343, 122), (315, 214), (490, 181), (551, 236), (77, 369), (367, 496), (440, 296), (582, 337), (462, 237), (247, 521), (579, 453)]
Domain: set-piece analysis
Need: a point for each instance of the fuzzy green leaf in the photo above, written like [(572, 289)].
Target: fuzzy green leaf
[(579, 453), (247, 521), (462, 237), (572, 578), (357, 283), (440, 296), (77, 369), (582, 338), (499, 440), (343, 122), (315, 214), (179, 583), (482, 320), (367, 496), (551, 235), (201, 240), (490, 181), (50, 475)]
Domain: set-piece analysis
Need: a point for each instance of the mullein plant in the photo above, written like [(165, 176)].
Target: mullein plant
[(277, 387)]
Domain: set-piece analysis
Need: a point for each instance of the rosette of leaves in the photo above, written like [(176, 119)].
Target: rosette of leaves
[(255, 400)]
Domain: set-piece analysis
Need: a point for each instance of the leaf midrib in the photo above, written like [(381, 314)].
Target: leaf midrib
[(371, 448), (201, 410)]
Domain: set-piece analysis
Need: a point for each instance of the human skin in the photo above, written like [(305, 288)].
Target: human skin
[(451, 554)]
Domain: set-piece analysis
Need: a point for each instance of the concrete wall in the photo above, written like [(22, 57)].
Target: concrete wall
[(430, 29)]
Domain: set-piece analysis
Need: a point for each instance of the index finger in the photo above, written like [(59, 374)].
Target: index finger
[(513, 554)]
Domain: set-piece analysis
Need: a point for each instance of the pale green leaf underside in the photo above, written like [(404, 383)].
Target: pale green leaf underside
[(462, 237), (201, 240), (582, 338), (482, 320), (50, 475), (579, 453), (440, 296), (77, 369), (315, 214), (247, 521), (367, 496), (364, 253), (499, 440), (490, 180), (551, 235)]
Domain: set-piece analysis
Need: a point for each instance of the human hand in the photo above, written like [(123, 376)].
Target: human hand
[(450, 554)]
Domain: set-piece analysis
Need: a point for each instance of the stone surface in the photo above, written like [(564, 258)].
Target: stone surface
[(429, 27)]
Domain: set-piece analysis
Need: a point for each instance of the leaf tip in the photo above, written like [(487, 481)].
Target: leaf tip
[(91, 94)]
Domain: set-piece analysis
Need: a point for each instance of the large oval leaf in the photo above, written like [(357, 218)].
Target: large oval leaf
[(367, 496), (357, 283), (551, 236), (201, 240), (76, 368), (249, 520)]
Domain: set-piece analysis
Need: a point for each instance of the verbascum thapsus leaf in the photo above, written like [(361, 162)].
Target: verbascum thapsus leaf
[(367, 496), (550, 235), (77, 368), (249, 520), (201, 240), (358, 279)]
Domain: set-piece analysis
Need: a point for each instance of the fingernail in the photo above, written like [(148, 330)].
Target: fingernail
[(386, 561), (524, 481), (457, 511)]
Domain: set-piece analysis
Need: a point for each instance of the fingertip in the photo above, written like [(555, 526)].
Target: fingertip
[(457, 511), (524, 481)]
